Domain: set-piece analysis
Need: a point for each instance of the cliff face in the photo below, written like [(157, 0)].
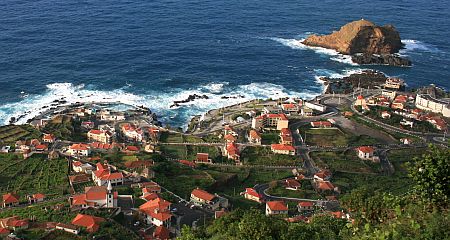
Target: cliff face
[(360, 37)]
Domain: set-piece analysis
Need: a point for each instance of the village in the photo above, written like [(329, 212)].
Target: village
[(91, 170)]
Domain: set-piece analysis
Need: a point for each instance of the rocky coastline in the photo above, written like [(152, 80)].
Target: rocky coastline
[(365, 42), (366, 79)]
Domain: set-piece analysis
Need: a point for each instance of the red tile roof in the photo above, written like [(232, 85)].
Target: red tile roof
[(282, 147), (252, 192), (10, 198), (202, 157), (306, 204), (286, 132), (229, 138), (38, 196), (203, 194), (91, 223), (41, 147), (277, 206), (161, 233), (132, 148), (321, 124), (4, 231), (325, 185), (292, 183), (281, 116), (187, 163), (232, 149), (254, 134), (79, 147), (366, 149)]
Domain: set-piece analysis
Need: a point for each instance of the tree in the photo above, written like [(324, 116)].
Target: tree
[(431, 175)]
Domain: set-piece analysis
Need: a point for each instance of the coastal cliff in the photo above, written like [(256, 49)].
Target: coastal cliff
[(366, 42)]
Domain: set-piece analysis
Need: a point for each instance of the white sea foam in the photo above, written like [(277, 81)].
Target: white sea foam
[(416, 45), (219, 95), (297, 44)]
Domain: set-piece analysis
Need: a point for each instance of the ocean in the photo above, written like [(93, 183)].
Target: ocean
[(154, 52)]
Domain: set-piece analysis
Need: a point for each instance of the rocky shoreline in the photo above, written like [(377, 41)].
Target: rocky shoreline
[(365, 42), (367, 79)]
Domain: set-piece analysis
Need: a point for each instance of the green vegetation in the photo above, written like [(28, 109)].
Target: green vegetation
[(264, 156), (33, 175), (376, 214), (344, 162), (253, 224), (190, 152), (43, 212), (306, 191), (270, 138), (11, 133), (430, 174), (65, 128), (334, 137), (169, 137)]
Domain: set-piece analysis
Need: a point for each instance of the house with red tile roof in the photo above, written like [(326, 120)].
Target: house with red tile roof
[(157, 212), (276, 208), (232, 152), (205, 199), (41, 148), (323, 186), (100, 136), (270, 121), (203, 158), (131, 149), (91, 223), (36, 198), (286, 136), (305, 206), (132, 133), (322, 175), (188, 163), (321, 124), (161, 233), (254, 137), (10, 199), (103, 175), (95, 197), (252, 194), (365, 152), (14, 223), (229, 138), (48, 138), (290, 108), (79, 150), (154, 134), (283, 149), (80, 167), (292, 184)]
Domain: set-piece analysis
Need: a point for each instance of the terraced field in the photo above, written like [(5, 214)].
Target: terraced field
[(32, 175), (12, 133)]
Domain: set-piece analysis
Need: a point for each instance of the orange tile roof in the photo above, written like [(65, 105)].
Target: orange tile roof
[(286, 131), (41, 147), (202, 157), (161, 233), (306, 204), (199, 193), (232, 149), (10, 198), (292, 183), (187, 163), (282, 147), (254, 134), (366, 149), (229, 138), (79, 147), (277, 206), (91, 223), (281, 116), (4, 231), (38, 196), (252, 192), (132, 148), (325, 185), (321, 123)]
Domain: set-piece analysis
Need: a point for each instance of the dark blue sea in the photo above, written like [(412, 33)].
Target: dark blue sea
[(154, 52)]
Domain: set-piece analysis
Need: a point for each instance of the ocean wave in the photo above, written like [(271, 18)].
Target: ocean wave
[(416, 45), (219, 95), (297, 44)]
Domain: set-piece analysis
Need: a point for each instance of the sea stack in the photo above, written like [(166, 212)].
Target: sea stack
[(366, 42)]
